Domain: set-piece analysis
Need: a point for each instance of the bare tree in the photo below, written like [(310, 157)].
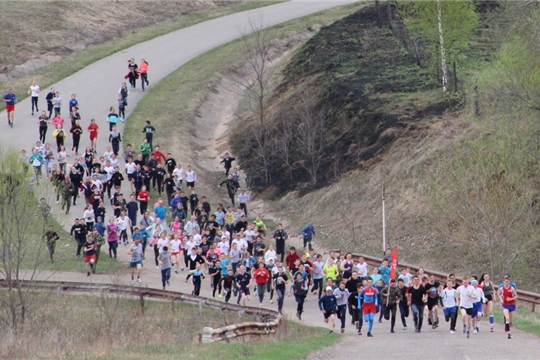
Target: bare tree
[(22, 250), (284, 145), (311, 135), (253, 79)]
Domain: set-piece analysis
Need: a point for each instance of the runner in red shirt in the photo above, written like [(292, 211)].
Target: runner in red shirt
[(143, 197), (93, 130), (261, 276), (508, 295), (159, 155)]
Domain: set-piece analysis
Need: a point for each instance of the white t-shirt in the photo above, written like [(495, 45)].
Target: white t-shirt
[(108, 154), (406, 279), (190, 176), (190, 245), (35, 90), (224, 247), (161, 243), (242, 244), (114, 162), (362, 269), (89, 215), (110, 172), (270, 254), (448, 297), (122, 223), (178, 172), (130, 168), (465, 296), (175, 245)]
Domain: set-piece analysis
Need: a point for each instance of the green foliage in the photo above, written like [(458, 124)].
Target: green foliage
[(459, 20)]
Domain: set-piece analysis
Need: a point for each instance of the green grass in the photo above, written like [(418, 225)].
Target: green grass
[(70, 64), (299, 342), (524, 318)]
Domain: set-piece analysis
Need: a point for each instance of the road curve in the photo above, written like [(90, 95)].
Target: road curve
[(96, 87)]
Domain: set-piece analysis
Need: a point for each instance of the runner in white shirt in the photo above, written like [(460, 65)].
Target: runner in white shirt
[(466, 296), (123, 223), (240, 242), (179, 172), (362, 267), (270, 254), (176, 253), (190, 244), (448, 303), (114, 161), (477, 305), (224, 246), (191, 177), (163, 241), (406, 276), (108, 153)]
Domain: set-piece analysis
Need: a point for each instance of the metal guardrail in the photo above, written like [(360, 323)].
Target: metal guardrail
[(523, 296), (269, 325)]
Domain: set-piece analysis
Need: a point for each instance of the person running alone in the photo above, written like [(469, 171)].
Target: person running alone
[(368, 301), (197, 275), (51, 237), (90, 254)]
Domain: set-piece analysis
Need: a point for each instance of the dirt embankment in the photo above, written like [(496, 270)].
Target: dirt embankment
[(37, 33)]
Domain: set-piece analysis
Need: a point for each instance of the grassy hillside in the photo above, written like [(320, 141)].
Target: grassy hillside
[(460, 170)]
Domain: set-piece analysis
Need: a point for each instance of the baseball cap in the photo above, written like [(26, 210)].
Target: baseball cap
[(474, 282), (328, 288), (506, 277)]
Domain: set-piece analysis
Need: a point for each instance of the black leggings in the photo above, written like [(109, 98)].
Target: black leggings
[(59, 142), (143, 205), (404, 313), (317, 284), (76, 144), (144, 79), (156, 254), (50, 108), (123, 235), (42, 133), (34, 103), (217, 282), (113, 245), (122, 112)]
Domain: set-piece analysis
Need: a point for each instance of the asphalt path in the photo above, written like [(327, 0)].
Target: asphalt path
[(97, 86)]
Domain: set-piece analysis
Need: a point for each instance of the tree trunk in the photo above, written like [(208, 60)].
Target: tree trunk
[(444, 66)]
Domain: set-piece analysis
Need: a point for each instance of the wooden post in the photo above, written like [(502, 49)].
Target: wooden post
[(141, 301)]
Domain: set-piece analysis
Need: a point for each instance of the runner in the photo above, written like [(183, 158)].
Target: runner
[(328, 306), (357, 318), (165, 266), (112, 237), (76, 132), (93, 130), (280, 236), (307, 234), (391, 295), (465, 295), (279, 283), (51, 237), (261, 276), (448, 302), (342, 296), (197, 276), (10, 99), (227, 283), (416, 297), (143, 69), (90, 254), (433, 290), (135, 250), (368, 303), (214, 270), (477, 305), (403, 307), (489, 291), (100, 240), (299, 288), (34, 92), (133, 73), (508, 295), (243, 281)]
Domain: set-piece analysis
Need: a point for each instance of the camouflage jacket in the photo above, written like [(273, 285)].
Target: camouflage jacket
[(67, 189)]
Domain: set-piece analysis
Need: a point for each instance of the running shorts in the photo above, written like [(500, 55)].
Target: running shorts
[(489, 297), (510, 307), (368, 308), (10, 108), (135, 263), (244, 290), (449, 311), (175, 253), (87, 258), (468, 311), (329, 313), (477, 308), (431, 302)]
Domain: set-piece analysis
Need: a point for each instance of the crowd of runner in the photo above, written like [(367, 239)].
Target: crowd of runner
[(163, 221)]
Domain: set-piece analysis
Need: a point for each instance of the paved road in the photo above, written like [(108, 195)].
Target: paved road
[(96, 87)]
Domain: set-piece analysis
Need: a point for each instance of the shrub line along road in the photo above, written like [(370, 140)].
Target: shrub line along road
[(96, 87)]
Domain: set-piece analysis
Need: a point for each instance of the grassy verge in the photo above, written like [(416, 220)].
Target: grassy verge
[(524, 318), (296, 341), (70, 64)]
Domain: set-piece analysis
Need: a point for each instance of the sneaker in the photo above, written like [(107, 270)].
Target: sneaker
[(168, 283), (164, 288), (260, 304), (380, 321), (491, 329), (176, 271), (509, 336), (132, 282), (139, 280), (219, 296), (342, 330), (359, 333), (88, 273), (331, 331), (464, 329), (182, 269), (468, 334), (475, 331), (369, 334), (433, 327), (429, 322), (392, 331), (404, 328), (93, 270), (157, 267), (452, 331)]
